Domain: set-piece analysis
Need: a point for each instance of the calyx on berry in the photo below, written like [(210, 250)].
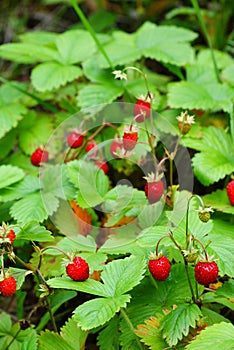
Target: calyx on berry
[(154, 187), (130, 137), (185, 122), (7, 234), (204, 213), (142, 109)]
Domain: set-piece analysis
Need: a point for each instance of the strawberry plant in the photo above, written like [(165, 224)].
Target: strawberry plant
[(116, 191)]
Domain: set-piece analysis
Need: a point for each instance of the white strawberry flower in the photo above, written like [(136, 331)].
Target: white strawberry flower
[(119, 74)]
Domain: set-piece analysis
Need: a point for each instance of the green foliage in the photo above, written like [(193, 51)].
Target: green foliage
[(176, 324), (12, 334), (71, 203), (215, 160), (222, 333)]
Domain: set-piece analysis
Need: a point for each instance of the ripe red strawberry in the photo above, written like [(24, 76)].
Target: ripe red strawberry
[(39, 156), (130, 138), (90, 146), (115, 147), (78, 270), (75, 139), (230, 192), (8, 286), (154, 191), (102, 165), (159, 268), (206, 272), (11, 235), (141, 110)]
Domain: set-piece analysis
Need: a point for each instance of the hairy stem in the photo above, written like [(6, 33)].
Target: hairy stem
[(205, 32), (125, 316), (91, 31)]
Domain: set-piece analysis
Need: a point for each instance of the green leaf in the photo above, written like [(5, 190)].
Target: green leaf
[(9, 116), (22, 339), (19, 275), (220, 335), (73, 335), (120, 276), (57, 299), (29, 184), (89, 286), (177, 323), (222, 250), (212, 317), (219, 201), (228, 74), (29, 208), (191, 95), (150, 334), (39, 37), (168, 44), (36, 132), (94, 95), (108, 338), (7, 143), (92, 183), (97, 312), (216, 161), (27, 53), (48, 340), (51, 75), (121, 49), (32, 231), (94, 73), (75, 46), (79, 243), (9, 175)]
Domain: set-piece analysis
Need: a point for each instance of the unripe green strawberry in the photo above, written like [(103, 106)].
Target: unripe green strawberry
[(159, 268), (206, 272), (204, 214), (78, 270), (8, 286)]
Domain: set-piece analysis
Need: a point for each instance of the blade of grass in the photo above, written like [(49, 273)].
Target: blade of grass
[(48, 106), (91, 32), (205, 32)]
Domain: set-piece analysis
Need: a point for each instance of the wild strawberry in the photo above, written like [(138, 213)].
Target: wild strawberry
[(230, 192), (75, 139), (141, 110), (39, 156), (154, 187), (11, 235), (130, 138), (115, 147), (206, 272), (8, 286), (102, 165), (204, 214), (78, 270), (159, 267), (90, 146)]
